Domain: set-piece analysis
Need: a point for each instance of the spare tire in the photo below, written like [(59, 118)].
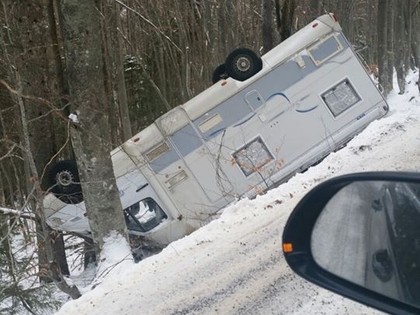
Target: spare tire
[(64, 182)]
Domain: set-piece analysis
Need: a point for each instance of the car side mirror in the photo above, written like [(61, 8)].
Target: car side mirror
[(359, 235)]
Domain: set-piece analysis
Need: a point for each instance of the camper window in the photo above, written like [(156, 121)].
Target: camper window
[(144, 215), (324, 50), (253, 156), (340, 97)]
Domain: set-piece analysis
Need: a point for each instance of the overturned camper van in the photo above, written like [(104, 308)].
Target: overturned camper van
[(265, 120)]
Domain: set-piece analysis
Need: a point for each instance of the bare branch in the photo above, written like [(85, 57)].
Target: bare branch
[(150, 23), (8, 211), (37, 100), (9, 153)]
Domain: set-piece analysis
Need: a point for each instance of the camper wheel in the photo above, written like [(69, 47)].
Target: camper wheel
[(64, 181), (242, 63), (219, 73)]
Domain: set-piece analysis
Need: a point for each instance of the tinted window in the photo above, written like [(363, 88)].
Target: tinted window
[(322, 51)]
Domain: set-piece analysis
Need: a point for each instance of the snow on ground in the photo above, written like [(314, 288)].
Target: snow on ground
[(234, 265)]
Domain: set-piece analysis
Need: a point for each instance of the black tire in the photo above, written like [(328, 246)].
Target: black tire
[(64, 181), (242, 63), (219, 73)]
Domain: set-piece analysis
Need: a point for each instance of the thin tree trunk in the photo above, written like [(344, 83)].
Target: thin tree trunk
[(59, 249), (399, 48), (120, 79), (372, 31), (347, 18), (287, 16), (390, 41), (416, 39), (382, 46), (114, 70), (267, 25), (315, 8)]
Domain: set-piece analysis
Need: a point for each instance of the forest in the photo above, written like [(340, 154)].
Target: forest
[(117, 65)]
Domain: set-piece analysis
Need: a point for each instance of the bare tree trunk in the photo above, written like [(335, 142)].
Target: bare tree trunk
[(390, 41), (57, 240), (2, 195), (108, 75), (267, 25), (408, 35), (416, 39), (372, 31), (120, 78), (287, 16), (315, 8), (113, 68), (383, 63), (90, 133), (399, 48), (229, 24), (278, 15)]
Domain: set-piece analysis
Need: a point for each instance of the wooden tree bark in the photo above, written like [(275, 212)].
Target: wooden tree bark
[(267, 25), (90, 133), (123, 110), (347, 18), (400, 46), (119, 119), (226, 22), (415, 46), (288, 11), (315, 8), (390, 42), (371, 32), (383, 61)]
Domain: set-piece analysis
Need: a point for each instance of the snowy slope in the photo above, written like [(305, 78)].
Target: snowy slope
[(234, 265)]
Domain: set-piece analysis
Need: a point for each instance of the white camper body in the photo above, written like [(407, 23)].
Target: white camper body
[(237, 138)]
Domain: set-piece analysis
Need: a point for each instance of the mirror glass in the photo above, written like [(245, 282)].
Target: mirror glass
[(369, 234)]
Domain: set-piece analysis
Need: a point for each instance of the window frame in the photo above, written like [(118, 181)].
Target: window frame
[(338, 112), (249, 171), (132, 221)]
